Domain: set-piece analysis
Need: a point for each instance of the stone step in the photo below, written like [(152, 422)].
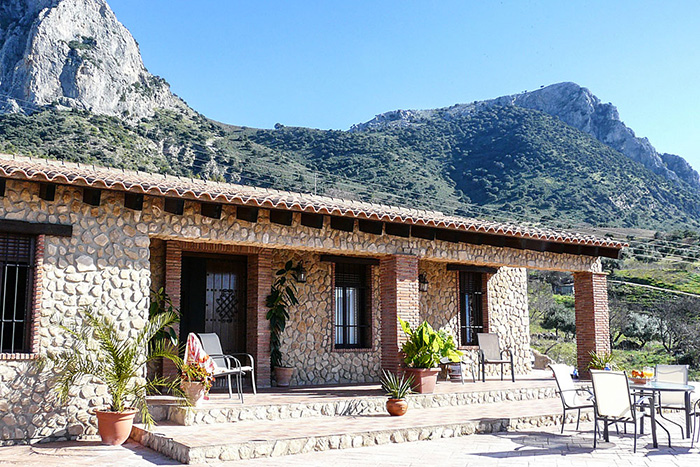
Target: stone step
[(220, 409), (255, 439)]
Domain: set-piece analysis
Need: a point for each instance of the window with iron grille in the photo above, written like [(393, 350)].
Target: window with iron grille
[(352, 320), (471, 319), (16, 275)]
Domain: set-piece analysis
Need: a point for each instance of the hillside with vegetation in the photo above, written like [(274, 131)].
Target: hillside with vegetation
[(502, 161), (654, 298)]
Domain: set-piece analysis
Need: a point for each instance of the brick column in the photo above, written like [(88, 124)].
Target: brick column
[(173, 287), (400, 298), (592, 324), (173, 272), (258, 338)]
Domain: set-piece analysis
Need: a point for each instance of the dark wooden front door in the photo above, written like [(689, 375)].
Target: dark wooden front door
[(214, 299)]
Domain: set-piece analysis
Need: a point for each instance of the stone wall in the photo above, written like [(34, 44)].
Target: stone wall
[(507, 313), (307, 343), (105, 265), (508, 316)]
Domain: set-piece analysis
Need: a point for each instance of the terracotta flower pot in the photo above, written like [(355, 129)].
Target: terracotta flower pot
[(424, 379), (283, 375), (396, 407), (115, 427), (194, 392)]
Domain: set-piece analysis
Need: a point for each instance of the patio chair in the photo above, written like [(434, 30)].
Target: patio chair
[(696, 415), (572, 398), (228, 365), (490, 353), (671, 399), (613, 403)]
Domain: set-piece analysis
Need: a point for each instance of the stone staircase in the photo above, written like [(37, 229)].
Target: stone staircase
[(225, 431)]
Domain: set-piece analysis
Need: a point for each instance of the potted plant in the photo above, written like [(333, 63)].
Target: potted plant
[(282, 297), (601, 361), (450, 354), (422, 351), (195, 382), (100, 351), (397, 388)]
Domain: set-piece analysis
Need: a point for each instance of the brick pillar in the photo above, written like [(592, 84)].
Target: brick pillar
[(592, 325), (173, 287), (400, 298), (258, 338)]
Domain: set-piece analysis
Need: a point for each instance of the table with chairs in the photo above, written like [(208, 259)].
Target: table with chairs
[(617, 399)]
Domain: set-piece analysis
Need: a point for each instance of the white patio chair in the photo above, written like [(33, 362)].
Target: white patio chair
[(228, 365), (490, 353), (674, 400), (613, 402), (572, 398)]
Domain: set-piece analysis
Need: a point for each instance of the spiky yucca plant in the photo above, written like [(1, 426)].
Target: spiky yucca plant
[(394, 386), (99, 351)]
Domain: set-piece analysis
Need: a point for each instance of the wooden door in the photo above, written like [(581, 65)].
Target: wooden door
[(225, 302)]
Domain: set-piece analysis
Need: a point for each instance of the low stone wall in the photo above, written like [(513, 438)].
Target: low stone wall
[(359, 406)]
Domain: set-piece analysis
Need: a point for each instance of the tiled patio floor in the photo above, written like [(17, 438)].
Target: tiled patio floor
[(542, 448)]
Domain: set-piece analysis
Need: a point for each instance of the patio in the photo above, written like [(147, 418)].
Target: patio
[(282, 422)]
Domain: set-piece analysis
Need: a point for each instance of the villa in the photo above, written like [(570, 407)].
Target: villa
[(76, 235)]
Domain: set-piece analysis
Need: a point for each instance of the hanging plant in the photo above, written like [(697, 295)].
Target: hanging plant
[(281, 298)]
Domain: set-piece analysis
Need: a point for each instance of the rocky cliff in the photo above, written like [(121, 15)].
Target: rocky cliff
[(74, 53), (575, 106)]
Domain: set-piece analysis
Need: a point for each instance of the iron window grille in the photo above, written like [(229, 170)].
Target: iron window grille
[(16, 277), (471, 319), (352, 320)]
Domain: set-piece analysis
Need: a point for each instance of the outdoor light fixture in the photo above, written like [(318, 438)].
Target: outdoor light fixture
[(422, 283), (301, 273)]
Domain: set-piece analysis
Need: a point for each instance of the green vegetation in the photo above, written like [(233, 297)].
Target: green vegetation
[(648, 326), (506, 161)]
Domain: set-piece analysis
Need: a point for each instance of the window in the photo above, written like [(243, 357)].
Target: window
[(471, 319), (352, 321), (16, 271)]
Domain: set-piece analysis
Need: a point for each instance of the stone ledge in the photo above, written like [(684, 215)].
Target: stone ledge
[(345, 407)]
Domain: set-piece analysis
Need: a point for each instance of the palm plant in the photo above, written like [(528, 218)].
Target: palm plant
[(100, 352)]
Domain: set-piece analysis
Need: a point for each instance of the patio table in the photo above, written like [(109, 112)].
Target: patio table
[(655, 387)]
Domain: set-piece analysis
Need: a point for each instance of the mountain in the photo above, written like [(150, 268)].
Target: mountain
[(74, 53), (575, 106), (75, 88)]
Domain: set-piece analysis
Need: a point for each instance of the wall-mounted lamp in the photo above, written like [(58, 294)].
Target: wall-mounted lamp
[(301, 273), (422, 283)]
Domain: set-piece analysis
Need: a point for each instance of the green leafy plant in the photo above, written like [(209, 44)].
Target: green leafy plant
[(101, 352), (396, 387), (449, 348), (195, 374), (599, 361), (425, 346), (281, 298), (161, 303)]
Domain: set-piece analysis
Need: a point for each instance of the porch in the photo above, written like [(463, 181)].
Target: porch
[(282, 422)]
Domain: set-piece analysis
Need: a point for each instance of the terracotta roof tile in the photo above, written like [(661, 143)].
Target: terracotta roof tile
[(36, 169)]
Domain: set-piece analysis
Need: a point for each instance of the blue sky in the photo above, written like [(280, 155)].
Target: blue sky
[(327, 64)]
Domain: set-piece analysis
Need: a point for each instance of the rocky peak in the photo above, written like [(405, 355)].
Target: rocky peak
[(575, 106), (74, 53)]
